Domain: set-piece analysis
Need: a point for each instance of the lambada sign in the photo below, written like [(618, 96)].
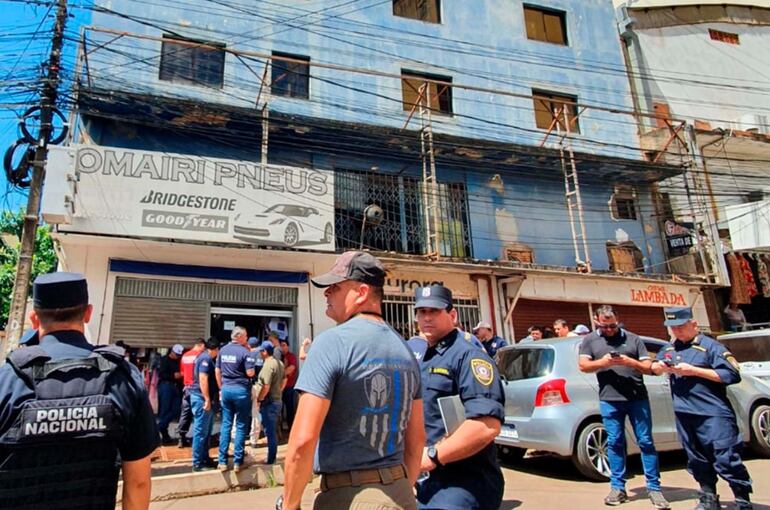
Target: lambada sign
[(154, 194)]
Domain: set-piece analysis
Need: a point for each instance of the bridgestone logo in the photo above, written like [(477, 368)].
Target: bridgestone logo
[(57, 421)]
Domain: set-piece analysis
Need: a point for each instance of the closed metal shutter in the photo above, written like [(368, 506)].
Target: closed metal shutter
[(534, 312), (152, 322), (160, 313), (643, 320)]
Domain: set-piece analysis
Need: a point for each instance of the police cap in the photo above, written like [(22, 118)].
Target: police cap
[(434, 296), (266, 346), (678, 315), (59, 290)]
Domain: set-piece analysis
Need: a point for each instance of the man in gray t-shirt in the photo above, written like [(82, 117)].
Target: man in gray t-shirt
[(619, 358), (361, 400)]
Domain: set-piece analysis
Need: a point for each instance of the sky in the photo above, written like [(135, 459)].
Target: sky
[(25, 41)]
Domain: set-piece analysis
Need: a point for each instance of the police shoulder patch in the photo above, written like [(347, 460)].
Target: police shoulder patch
[(734, 362), (482, 371)]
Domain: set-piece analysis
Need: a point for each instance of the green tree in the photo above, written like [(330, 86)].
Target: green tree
[(44, 260)]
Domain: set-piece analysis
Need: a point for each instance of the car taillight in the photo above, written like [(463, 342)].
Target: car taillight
[(552, 393)]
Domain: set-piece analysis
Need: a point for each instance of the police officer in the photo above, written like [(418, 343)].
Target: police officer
[(203, 392), (72, 415), (463, 469), (700, 369)]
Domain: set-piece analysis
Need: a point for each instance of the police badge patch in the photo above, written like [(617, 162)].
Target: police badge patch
[(729, 357), (482, 371)]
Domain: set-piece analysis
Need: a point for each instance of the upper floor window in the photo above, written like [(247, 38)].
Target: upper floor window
[(181, 61), (440, 94), (545, 25), (623, 203), (725, 37), (423, 10), (555, 110), (290, 78)]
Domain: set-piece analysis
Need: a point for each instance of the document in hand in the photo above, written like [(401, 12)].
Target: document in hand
[(452, 413)]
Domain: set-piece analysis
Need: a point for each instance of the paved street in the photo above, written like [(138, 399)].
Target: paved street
[(540, 483)]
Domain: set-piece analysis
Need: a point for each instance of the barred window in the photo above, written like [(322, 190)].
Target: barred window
[(183, 62)]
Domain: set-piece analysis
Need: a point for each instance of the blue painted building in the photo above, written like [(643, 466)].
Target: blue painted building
[(503, 98)]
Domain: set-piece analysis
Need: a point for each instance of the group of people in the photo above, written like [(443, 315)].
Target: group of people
[(700, 369), (251, 381), (560, 329), (374, 417)]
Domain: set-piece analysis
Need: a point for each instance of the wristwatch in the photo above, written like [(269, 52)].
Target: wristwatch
[(433, 456)]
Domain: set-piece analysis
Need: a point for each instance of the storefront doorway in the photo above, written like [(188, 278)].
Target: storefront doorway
[(257, 321)]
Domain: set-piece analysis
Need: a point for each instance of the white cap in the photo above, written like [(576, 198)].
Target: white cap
[(482, 324), (178, 349), (582, 329)]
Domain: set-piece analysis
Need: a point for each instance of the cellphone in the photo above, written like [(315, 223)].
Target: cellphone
[(614, 354)]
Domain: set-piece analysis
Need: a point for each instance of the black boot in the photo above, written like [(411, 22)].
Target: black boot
[(707, 499), (183, 442), (742, 499)]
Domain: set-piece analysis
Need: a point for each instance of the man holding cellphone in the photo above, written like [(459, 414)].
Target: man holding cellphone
[(619, 359)]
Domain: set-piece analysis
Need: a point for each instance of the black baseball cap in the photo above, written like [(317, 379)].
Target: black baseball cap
[(353, 265), (433, 296), (676, 316), (59, 290)]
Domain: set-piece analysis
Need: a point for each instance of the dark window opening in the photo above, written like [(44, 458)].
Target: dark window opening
[(290, 78), (725, 37), (423, 10), (183, 62), (440, 94), (545, 25), (623, 203), (550, 106), (402, 200)]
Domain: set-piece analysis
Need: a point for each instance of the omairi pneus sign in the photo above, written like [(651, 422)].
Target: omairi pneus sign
[(158, 194)]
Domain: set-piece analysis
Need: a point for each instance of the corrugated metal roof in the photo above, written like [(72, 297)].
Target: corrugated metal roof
[(652, 4)]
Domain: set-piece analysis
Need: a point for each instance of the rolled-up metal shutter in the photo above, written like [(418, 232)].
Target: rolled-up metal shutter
[(643, 320), (152, 322), (534, 312)]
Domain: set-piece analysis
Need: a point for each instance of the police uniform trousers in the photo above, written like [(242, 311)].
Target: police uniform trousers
[(713, 445), (460, 489)]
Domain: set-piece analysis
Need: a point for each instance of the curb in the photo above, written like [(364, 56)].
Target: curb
[(186, 485)]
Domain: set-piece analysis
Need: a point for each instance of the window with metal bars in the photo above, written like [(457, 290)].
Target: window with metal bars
[(403, 225), (398, 311), (183, 62)]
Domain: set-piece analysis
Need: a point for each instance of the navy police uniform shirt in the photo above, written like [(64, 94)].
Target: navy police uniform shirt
[(203, 364), (457, 367), (696, 395), (233, 361), (127, 390), (493, 344)]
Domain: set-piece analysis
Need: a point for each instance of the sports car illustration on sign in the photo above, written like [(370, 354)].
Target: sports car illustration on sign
[(284, 224)]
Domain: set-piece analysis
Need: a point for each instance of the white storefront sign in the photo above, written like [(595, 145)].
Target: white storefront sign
[(404, 283), (175, 196)]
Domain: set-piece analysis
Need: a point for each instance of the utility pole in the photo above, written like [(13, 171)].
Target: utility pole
[(27, 250)]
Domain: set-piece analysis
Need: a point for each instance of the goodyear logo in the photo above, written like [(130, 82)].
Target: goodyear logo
[(185, 221)]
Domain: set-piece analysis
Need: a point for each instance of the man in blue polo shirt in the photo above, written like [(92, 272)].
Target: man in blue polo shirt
[(201, 390), (235, 368)]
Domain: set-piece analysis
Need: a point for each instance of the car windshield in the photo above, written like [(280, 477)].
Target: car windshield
[(517, 364), (749, 348), (280, 209)]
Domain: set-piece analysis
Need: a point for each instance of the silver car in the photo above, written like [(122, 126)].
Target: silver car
[(551, 406)]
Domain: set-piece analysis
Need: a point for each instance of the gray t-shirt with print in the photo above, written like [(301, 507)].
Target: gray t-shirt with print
[(618, 383), (371, 377)]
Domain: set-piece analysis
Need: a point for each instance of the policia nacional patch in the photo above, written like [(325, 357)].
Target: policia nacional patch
[(729, 357), (482, 371)]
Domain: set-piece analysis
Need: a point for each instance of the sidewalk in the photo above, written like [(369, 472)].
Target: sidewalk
[(173, 478)]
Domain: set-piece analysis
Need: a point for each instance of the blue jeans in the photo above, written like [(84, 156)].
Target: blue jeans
[(168, 404), (202, 423), (236, 406), (269, 411), (614, 418)]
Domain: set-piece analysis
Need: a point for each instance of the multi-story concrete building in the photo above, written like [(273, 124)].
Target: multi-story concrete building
[(226, 151), (701, 68)]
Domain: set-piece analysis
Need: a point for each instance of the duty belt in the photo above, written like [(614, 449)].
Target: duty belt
[(355, 478)]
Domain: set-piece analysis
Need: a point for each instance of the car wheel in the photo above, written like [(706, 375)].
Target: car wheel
[(760, 430), (590, 457), (328, 233), (291, 235), (510, 454)]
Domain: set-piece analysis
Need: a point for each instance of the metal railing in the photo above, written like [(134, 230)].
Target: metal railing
[(398, 311)]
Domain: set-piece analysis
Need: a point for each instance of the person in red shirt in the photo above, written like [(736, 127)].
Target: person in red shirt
[(187, 365), (290, 366)]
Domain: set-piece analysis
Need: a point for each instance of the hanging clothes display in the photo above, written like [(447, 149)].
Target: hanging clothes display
[(763, 268), (748, 276), (739, 293)]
